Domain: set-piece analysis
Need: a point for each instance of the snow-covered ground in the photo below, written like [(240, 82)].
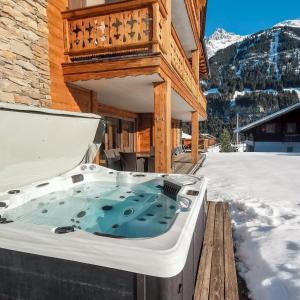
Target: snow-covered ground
[(264, 191)]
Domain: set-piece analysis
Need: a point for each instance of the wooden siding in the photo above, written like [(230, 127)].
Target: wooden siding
[(145, 132), (63, 97), (259, 133)]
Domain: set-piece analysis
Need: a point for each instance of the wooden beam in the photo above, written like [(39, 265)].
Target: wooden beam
[(162, 126), (196, 63), (115, 112), (195, 136)]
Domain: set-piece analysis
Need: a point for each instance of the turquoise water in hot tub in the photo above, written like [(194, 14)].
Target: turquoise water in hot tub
[(131, 211)]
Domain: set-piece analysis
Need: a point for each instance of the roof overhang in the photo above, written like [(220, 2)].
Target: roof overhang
[(268, 118)]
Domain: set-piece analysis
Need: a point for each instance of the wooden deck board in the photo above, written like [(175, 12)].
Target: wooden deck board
[(216, 291), (216, 277), (183, 163), (203, 277), (231, 288)]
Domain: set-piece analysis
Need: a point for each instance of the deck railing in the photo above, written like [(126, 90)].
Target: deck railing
[(124, 28), (114, 28), (182, 65)]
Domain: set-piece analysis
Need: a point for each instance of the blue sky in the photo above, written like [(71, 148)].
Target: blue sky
[(248, 16)]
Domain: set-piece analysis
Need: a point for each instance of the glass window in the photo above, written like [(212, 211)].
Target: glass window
[(269, 128), (291, 128), (112, 133)]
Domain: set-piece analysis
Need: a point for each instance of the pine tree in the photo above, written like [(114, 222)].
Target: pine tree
[(225, 141)]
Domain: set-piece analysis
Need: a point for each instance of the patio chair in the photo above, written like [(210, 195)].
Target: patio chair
[(152, 151), (130, 163), (109, 153), (112, 162), (127, 149), (117, 152), (151, 164)]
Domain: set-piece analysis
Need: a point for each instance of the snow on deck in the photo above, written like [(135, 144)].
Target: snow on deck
[(264, 190)]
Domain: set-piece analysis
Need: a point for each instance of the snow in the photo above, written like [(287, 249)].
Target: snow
[(186, 136), (297, 90), (273, 57), (289, 23), (221, 39), (263, 189), (212, 91)]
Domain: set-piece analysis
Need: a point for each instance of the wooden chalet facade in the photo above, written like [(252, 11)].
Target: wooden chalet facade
[(278, 132), (137, 63)]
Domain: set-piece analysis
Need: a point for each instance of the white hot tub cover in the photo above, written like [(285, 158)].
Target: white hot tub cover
[(38, 144)]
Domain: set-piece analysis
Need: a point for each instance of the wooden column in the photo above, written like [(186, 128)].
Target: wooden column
[(195, 136), (162, 126)]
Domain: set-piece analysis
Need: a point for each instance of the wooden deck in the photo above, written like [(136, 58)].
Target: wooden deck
[(183, 163), (216, 277)]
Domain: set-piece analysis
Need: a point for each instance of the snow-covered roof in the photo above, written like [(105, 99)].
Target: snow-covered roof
[(186, 136), (268, 118), (207, 135)]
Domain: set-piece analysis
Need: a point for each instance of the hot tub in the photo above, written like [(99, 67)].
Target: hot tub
[(94, 233)]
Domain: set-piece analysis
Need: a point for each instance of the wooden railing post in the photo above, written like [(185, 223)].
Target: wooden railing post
[(156, 29), (169, 29), (196, 63), (195, 136), (162, 126)]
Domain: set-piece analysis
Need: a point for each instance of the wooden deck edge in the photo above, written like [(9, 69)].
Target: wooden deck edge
[(231, 286), (216, 278), (198, 165)]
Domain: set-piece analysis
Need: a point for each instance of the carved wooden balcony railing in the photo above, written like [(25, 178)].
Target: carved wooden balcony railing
[(111, 29), (182, 65)]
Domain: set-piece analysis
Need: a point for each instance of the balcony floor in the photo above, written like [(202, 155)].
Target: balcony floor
[(184, 164)]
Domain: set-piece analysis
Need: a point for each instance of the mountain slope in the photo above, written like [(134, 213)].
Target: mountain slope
[(254, 76)]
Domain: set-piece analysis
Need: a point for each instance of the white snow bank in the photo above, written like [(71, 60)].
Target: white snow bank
[(264, 191)]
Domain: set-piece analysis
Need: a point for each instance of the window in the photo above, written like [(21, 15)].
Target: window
[(269, 128), (291, 127)]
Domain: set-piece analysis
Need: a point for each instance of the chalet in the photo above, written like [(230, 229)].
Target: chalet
[(278, 132), (136, 66), (137, 63)]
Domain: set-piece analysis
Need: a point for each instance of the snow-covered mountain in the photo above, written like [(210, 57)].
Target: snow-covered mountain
[(254, 76), (289, 23), (221, 39)]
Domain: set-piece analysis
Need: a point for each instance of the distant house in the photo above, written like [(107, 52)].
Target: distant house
[(205, 140), (278, 132)]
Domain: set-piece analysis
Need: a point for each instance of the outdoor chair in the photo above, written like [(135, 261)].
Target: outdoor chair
[(109, 153), (152, 151), (127, 149), (112, 162), (117, 152), (151, 164), (130, 163)]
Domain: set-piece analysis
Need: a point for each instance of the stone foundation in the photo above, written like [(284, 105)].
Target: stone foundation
[(24, 65)]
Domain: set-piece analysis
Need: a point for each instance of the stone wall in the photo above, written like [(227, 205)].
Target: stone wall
[(24, 66)]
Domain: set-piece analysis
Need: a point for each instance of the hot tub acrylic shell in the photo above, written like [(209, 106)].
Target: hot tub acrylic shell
[(162, 267)]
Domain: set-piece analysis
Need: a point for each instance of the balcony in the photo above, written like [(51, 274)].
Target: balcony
[(111, 29), (110, 36)]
